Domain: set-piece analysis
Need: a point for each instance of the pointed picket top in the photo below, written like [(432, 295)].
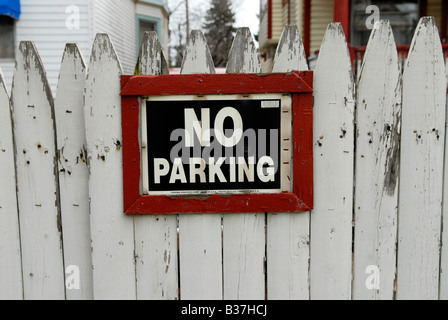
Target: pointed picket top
[(104, 72), (10, 262), (243, 56), (112, 232), (331, 221), (377, 165), (335, 45), (151, 60), (422, 152), (73, 171), (29, 61), (197, 57), (103, 48), (290, 53), (68, 104), (425, 41), (37, 183), (381, 38)]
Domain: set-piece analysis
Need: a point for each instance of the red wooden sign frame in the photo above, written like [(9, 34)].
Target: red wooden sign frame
[(298, 84)]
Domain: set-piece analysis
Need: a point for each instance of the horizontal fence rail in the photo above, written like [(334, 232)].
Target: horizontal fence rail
[(380, 160)]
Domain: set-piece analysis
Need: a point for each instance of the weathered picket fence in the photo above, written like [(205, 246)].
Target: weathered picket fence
[(375, 232)]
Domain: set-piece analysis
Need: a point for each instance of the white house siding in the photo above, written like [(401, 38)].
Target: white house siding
[(322, 13), (151, 11), (299, 8), (44, 22), (117, 18), (263, 34), (435, 10), (277, 18)]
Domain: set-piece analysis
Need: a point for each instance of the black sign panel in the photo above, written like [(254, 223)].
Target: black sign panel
[(213, 146)]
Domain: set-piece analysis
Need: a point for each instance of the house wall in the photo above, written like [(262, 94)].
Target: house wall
[(295, 10), (278, 22), (322, 13), (277, 19), (117, 18), (268, 45), (263, 33), (435, 10), (299, 9), (44, 22)]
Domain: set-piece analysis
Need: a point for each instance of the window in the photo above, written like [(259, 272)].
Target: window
[(403, 17), (7, 43), (145, 26)]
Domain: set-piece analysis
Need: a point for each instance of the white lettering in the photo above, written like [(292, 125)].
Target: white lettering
[(194, 126), (197, 171), (215, 170), (161, 169), (178, 172), (245, 170), (198, 166), (233, 140), (270, 176)]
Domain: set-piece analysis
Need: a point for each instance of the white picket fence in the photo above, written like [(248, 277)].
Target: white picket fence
[(375, 232)]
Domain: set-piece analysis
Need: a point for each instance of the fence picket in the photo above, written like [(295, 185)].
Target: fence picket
[(331, 220), (290, 54), (155, 236), (444, 251), (151, 59), (288, 250), (244, 240), (37, 185), (10, 262), (377, 165), (243, 56), (197, 56), (200, 235), (422, 154), (73, 172), (112, 232)]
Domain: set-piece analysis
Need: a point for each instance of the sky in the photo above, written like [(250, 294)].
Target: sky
[(246, 15), (246, 12)]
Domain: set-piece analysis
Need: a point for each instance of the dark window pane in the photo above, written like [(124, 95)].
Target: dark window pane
[(146, 26), (6, 38), (403, 16)]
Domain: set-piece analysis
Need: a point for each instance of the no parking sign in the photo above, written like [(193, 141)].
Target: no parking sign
[(217, 143)]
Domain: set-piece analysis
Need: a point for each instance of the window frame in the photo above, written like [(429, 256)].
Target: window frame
[(353, 23), (156, 21)]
